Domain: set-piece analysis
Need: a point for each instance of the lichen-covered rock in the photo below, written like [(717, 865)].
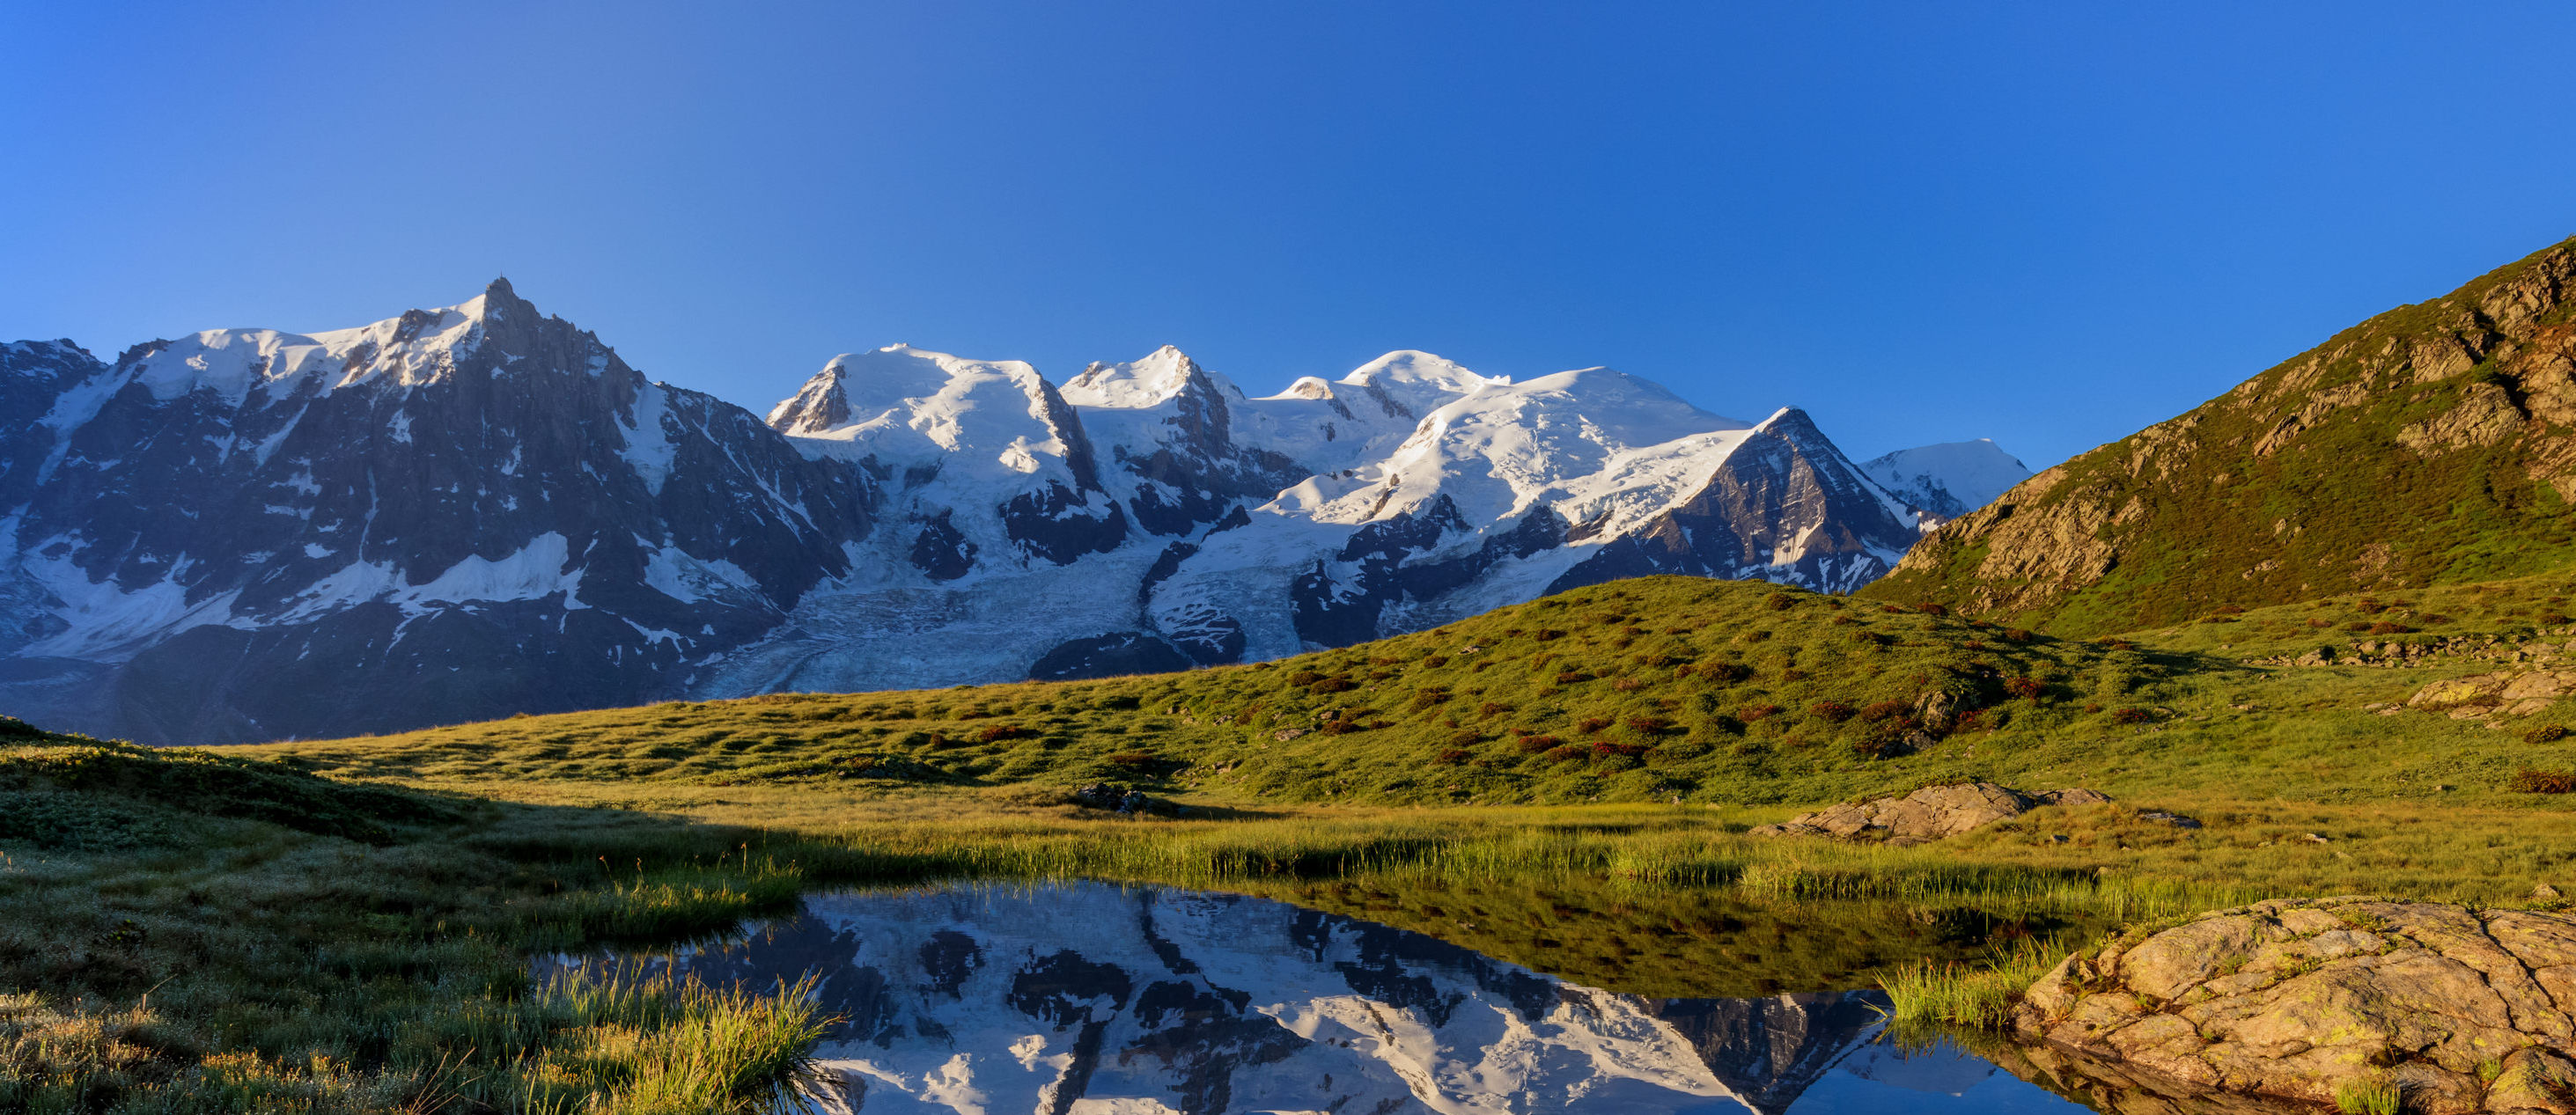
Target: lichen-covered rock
[(1930, 813), (2463, 1010)]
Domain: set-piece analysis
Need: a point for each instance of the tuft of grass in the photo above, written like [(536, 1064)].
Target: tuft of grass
[(2375, 1094), (1980, 996)]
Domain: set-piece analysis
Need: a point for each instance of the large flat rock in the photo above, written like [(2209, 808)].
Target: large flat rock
[(2463, 1010)]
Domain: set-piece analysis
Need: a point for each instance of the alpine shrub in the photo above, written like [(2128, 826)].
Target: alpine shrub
[(2532, 781)]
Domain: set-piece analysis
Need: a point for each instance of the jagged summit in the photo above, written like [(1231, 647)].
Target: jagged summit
[(1162, 374)]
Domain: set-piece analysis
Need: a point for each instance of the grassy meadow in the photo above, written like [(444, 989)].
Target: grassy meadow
[(345, 925)]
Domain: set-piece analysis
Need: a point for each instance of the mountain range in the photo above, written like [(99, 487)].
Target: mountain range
[(472, 511)]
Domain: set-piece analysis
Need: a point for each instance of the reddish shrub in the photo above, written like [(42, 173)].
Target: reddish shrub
[(1831, 712), (1754, 713), (2227, 610), (1569, 677), (1606, 749), (999, 732), (1304, 678), (2132, 716), (2017, 634), (1430, 697), (1778, 601), (1492, 708), (1546, 633), (1627, 685), (1728, 672), (2028, 689), (1451, 756), (1338, 727), (2531, 781), (1885, 709), (1968, 721), (1649, 725), (2549, 619), (1466, 739), (1567, 752), (1591, 724), (1536, 744), (2384, 627), (1932, 609), (1436, 661), (1334, 685)]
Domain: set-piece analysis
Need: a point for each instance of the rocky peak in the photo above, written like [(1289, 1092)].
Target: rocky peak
[(818, 406), (1160, 376)]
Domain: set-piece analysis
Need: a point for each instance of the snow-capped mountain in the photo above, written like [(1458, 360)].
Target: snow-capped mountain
[(1093, 997), (467, 512), (1948, 480)]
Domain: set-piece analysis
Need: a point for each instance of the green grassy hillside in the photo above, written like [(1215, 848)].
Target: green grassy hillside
[(1645, 690), (2432, 444), (1638, 690)]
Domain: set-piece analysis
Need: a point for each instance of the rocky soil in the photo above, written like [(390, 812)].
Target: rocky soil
[(1930, 813), (2457, 1009)]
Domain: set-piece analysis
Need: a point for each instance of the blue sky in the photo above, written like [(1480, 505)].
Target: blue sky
[(2049, 224)]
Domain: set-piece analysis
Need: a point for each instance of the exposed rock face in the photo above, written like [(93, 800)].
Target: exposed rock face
[(2298, 998), (1930, 813), (2430, 431), (467, 512), (2503, 693), (449, 515)]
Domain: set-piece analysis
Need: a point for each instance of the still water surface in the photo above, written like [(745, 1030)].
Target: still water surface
[(1106, 1000)]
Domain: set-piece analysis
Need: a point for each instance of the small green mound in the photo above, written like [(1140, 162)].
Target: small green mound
[(77, 792)]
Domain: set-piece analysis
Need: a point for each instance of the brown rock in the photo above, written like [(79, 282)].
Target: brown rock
[(1931, 813), (2534, 1080), (2294, 998)]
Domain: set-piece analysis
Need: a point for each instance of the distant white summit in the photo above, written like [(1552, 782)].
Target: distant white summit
[(465, 512), (1950, 479)]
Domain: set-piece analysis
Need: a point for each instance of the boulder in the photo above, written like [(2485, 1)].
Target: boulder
[(1930, 813), (2462, 1010)]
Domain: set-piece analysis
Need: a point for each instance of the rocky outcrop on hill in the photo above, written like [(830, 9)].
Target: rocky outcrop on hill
[(1930, 813), (2455, 1009), (2375, 460), (2503, 693)]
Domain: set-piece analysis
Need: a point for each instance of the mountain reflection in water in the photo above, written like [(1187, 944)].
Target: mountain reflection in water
[(1090, 998)]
